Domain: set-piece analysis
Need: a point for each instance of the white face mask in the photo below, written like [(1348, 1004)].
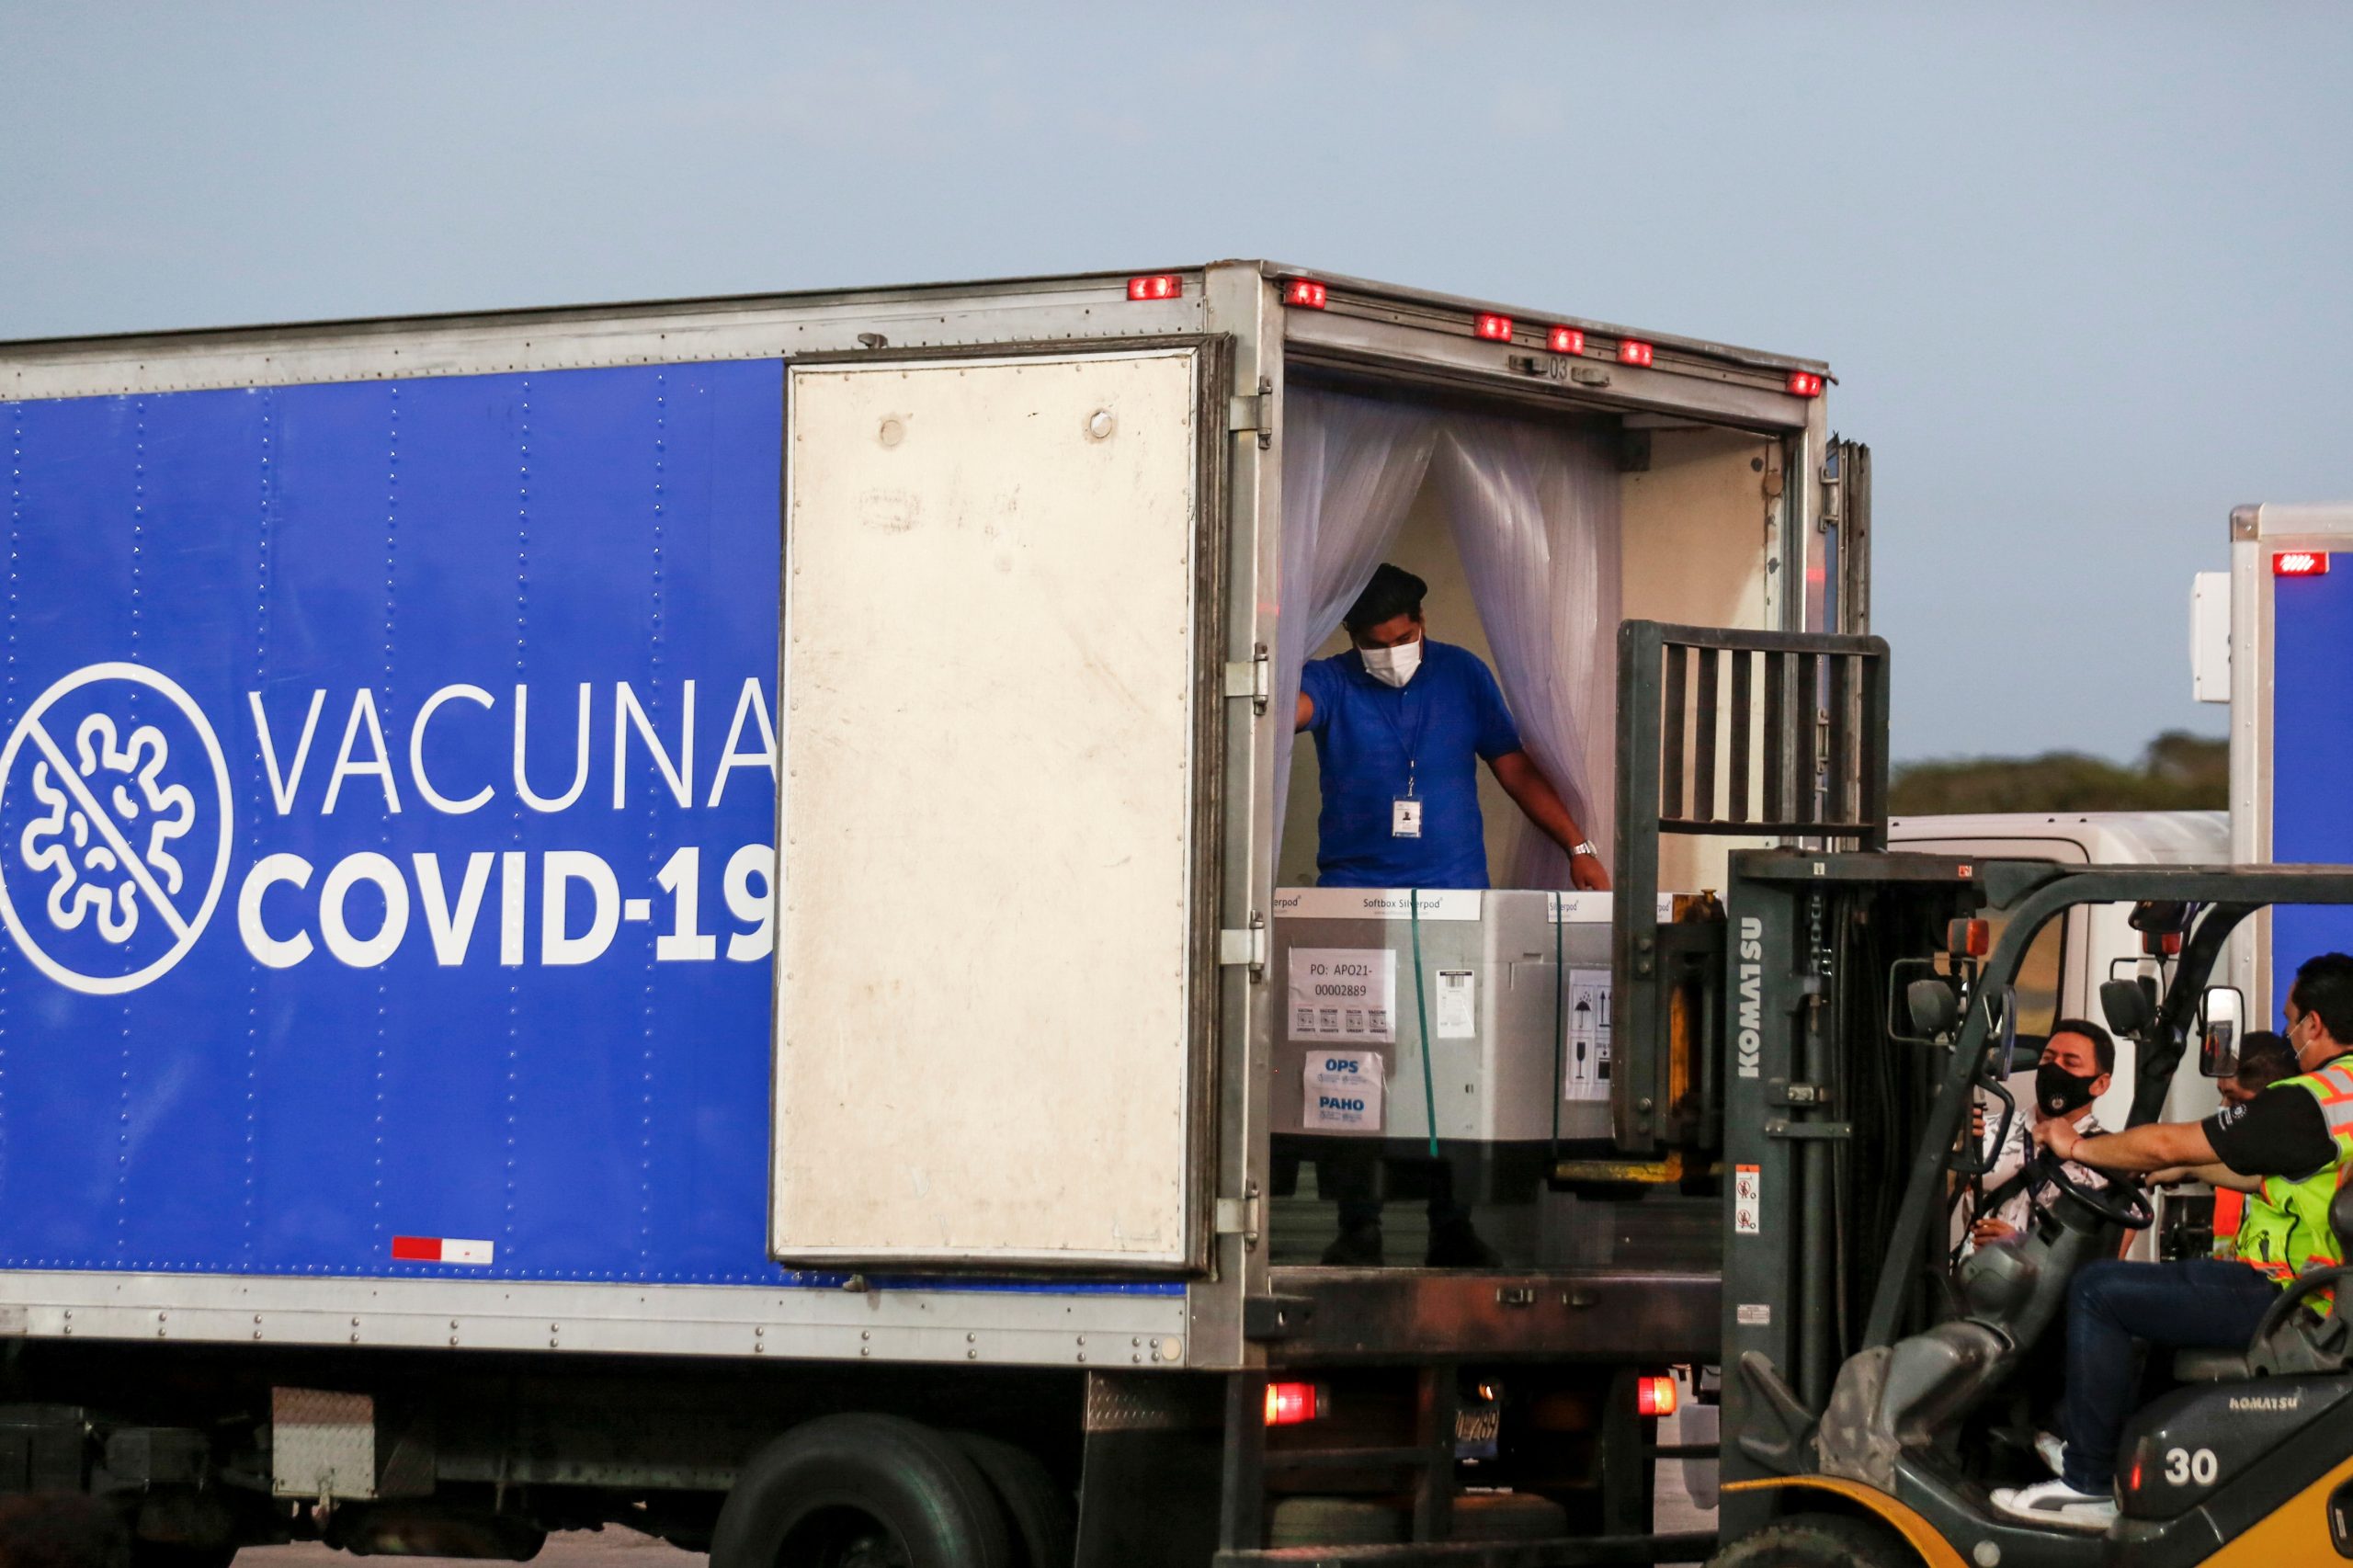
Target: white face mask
[(1392, 666)]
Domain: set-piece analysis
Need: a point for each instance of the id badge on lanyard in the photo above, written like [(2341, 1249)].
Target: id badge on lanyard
[(1404, 817)]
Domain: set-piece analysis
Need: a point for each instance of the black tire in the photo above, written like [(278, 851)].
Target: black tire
[(1045, 1524), (158, 1554), (860, 1491), (1818, 1541)]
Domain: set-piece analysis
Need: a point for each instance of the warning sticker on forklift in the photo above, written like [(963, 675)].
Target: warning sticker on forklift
[(1753, 1314), (1343, 1090), (1747, 1199), (1344, 993), (1584, 1054)]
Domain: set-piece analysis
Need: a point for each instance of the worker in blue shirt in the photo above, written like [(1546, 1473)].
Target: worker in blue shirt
[(1400, 724)]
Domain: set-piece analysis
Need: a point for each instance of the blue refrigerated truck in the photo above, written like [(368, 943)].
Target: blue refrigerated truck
[(2273, 637), (660, 914)]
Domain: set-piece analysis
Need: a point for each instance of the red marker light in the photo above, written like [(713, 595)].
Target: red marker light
[(1804, 383), (1564, 340), (1632, 353), (1495, 329), (1287, 1404), (1653, 1396), (1975, 938), (1304, 291), (2300, 564), (1159, 286)]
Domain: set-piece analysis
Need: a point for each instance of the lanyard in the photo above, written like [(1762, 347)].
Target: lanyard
[(1412, 749)]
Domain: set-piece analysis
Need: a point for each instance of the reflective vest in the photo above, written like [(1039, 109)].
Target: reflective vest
[(2286, 1229)]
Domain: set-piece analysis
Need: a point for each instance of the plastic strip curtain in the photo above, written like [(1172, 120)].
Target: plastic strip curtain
[(1535, 514), (1351, 468)]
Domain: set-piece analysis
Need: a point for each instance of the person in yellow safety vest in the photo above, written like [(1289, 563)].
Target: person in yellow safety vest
[(2298, 1136), (2247, 1225)]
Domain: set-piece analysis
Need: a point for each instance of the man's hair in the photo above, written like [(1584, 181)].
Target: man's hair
[(61, 1529), (2103, 1046), (2324, 985), (1393, 592), (2265, 1057)]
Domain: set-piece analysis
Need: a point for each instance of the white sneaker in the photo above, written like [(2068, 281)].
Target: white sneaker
[(2056, 1504), (2054, 1449)]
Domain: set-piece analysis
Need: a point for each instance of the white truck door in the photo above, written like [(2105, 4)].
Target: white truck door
[(987, 1044)]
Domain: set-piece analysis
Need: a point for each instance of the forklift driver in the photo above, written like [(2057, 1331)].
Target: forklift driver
[(2298, 1134), (2078, 1064), (1400, 723)]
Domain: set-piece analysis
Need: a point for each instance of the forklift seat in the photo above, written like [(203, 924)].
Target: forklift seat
[(2302, 1343), (2199, 1365)]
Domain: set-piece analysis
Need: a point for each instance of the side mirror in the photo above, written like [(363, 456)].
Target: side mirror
[(2025, 1054), (2221, 1018), (2125, 1002), (1933, 1007)]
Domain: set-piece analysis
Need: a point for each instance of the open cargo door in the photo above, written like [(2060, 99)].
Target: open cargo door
[(1000, 603)]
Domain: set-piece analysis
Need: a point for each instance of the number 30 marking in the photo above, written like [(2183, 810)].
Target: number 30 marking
[(2182, 1467)]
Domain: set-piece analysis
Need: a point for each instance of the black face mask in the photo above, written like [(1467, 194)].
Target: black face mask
[(2059, 1092)]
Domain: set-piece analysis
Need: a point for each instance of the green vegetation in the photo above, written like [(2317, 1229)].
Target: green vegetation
[(2179, 772)]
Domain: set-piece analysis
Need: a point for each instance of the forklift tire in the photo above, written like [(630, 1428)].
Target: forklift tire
[(1818, 1540), (1045, 1525), (860, 1491)]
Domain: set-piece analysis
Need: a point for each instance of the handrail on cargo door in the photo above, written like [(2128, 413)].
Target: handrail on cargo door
[(1763, 734)]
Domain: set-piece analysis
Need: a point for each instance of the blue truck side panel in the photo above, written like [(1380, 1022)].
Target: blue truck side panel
[(385, 1017), (2312, 757)]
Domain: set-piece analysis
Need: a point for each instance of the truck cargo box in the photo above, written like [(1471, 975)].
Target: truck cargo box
[(753, 827)]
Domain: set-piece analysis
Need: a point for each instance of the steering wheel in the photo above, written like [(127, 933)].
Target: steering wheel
[(2123, 1201)]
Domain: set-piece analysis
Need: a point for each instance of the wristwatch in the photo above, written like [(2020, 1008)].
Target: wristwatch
[(1585, 846)]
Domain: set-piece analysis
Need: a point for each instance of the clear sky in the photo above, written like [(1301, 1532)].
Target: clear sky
[(2085, 272)]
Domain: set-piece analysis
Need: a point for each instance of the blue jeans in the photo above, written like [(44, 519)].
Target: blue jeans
[(2203, 1302)]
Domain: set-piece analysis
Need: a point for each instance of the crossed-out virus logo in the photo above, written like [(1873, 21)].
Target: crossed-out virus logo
[(115, 796)]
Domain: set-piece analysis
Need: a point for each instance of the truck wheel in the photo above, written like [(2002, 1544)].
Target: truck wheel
[(1818, 1540), (156, 1554), (1045, 1529), (860, 1491)]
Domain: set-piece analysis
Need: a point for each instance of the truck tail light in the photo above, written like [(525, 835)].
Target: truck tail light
[(1629, 352), (1304, 291), (1975, 938), (2300, 564), (1287, 1404), (1653, 1396), (1564, 340), (1158, 286), (1804, 383), (1495, 329)]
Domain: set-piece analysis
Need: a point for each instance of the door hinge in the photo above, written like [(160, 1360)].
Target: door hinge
[(1238, 1217), (1253, 412), (1251, 677), (1832, 489), (1245, 946)]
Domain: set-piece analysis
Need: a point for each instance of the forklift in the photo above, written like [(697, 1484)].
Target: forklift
[(1819, 1038)]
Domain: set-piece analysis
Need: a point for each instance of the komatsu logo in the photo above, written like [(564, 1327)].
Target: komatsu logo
[(2266, 1401), (1751, 1040)]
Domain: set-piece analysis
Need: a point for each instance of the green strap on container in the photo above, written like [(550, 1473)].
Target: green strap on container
[(1560, 1019), (1422, 1014)]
